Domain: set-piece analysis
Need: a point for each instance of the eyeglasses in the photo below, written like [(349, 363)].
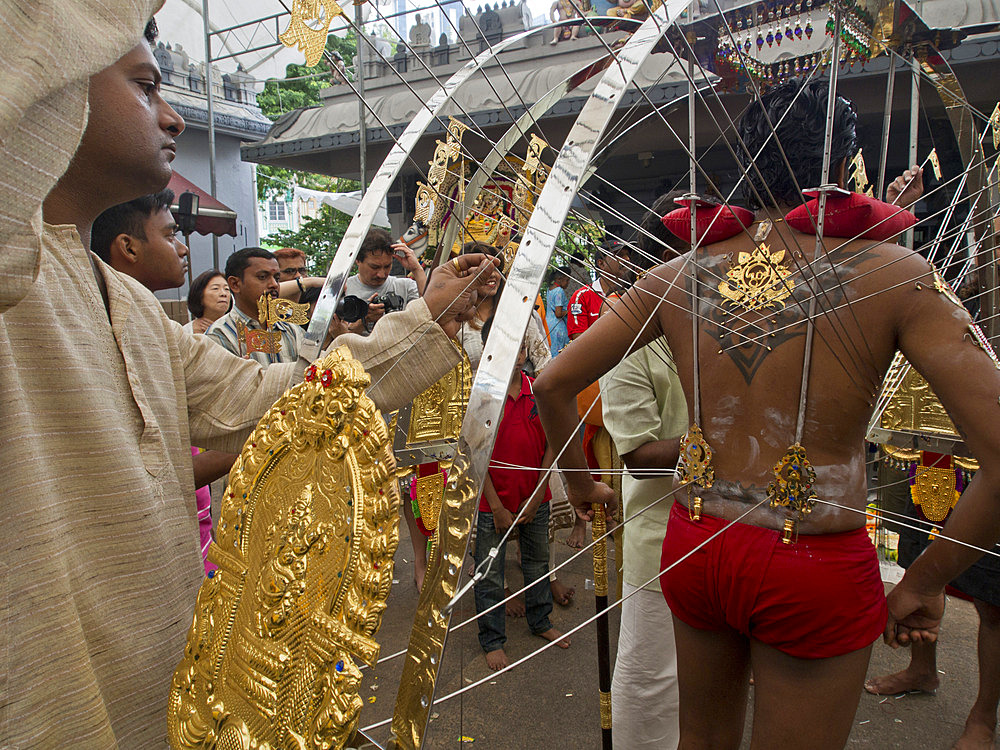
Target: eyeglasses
[(300, 271)]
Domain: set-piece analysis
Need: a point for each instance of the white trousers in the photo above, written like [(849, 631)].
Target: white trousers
[(644, 696)]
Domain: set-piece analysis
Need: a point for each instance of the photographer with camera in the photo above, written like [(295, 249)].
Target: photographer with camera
[(375, 284)]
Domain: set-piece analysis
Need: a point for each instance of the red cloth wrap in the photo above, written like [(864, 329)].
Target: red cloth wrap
[(730, 222), (817, 597), (853, 215)]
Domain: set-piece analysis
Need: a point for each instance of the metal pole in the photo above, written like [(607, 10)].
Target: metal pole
[(890, 85), (914, 128), (359, 82), (211, 122), (599, 529)]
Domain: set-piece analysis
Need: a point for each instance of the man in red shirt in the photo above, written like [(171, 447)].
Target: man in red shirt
[(508, 486), (613, 277)]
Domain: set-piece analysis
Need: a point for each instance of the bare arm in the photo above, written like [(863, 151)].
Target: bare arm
[(409, 261), (290, 289), (210, 465), (936, 338), (660, 455)]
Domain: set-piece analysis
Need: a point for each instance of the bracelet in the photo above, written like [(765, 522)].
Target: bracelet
[(298, 281)]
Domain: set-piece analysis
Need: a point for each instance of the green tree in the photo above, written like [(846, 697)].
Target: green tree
[(281, 96), (318, 238)]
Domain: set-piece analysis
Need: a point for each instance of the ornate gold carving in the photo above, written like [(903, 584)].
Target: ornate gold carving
[(914, 407), (794, 477), (305, 547), (757, 279), (858, 172), (599, 528), (257, 340), (995, 125), (935, 491), (437, 412), (695, 461), (429, 490), (309, 26), (935, 163), (605, 709)]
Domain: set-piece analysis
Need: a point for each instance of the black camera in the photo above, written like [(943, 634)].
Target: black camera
[(351, 308), (392, 301)]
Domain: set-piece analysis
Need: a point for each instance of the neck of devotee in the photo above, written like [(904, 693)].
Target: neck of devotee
[(248, 310)]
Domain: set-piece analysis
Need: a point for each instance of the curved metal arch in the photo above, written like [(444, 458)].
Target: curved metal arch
[(427, 639), (340, 268), (503, 145)]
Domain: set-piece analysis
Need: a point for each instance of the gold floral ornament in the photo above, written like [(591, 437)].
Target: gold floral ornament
[(792, 486), (695, 461), (309, 26), (305, 548), (757, 279)]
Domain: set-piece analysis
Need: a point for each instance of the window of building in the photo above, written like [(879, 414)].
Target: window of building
[(276, 211)]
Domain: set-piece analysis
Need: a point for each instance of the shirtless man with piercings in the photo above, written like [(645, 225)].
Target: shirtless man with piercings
[(802, 614)]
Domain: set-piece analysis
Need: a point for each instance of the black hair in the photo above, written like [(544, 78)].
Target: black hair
[(196, 294), (485, 333), (151, 32), (655, 239), (237, 263), (376, 241), (126, 218), (802, 108)]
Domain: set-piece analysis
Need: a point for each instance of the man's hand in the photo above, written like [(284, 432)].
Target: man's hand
[(406, 256), (906, 189), (374, 311), (502, 519), (339, 327), (453, 291), (584, 500), (914, 616)]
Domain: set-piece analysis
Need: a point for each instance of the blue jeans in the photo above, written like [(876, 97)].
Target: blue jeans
[(534, 537)]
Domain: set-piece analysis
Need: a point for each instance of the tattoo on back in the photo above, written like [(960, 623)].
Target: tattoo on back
[(749, 337)]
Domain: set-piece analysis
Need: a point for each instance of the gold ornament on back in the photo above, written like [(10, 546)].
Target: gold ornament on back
[(304, 551), (757, 279)]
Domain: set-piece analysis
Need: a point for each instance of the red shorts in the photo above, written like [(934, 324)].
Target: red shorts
[(818, 597)]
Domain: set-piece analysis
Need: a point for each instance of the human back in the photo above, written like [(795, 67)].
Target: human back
[(751, 366)]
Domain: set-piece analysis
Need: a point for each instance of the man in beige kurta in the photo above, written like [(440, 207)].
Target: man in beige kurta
[(99, 559)]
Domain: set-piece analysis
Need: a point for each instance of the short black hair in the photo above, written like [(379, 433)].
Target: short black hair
[(376, 241), (654, 238), (126, 218), (802, 108), (151, 32), (196, 294), (237, 263)]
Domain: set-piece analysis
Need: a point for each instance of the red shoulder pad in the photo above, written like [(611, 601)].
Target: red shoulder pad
[(730, 222), (853, 215)]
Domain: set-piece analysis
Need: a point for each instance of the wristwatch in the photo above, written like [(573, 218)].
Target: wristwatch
[(298, 281)]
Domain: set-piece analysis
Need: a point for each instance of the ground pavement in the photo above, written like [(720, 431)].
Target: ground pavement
[(551, 701)]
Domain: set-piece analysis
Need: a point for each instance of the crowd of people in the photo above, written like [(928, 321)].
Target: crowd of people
[(116, 419)]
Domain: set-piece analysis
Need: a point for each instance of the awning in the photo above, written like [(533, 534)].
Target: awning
[(214, 216)]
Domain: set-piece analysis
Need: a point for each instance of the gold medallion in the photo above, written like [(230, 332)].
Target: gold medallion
[(794, 477), (934, 490), (304, 550), (757, 279), (695, 461)]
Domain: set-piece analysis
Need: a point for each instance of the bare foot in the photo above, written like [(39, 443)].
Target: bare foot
[(577, 537), (496, 660), (561, 593), (515, 607), (979, 734), (902, 682), (554, 635)]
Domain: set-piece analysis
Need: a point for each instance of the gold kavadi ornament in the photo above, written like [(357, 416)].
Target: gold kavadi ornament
[(305, 545), (757, 279)]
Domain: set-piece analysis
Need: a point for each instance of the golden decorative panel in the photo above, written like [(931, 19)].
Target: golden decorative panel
[(914, 407), (305, 545), (437, 412)]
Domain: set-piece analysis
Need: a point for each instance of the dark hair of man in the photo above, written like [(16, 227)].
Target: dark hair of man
[(801, 135), (151, 32), (376, 241), (238, 261), (654, 238), (196, 294), (126, 218)]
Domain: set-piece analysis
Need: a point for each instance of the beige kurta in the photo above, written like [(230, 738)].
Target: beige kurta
[(99, 558)]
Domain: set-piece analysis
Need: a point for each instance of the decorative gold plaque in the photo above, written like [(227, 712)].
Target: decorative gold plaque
[(757, 279), (437, 412), (305, 547)]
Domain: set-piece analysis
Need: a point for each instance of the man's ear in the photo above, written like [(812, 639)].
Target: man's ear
[(124, 251), (234, 284)]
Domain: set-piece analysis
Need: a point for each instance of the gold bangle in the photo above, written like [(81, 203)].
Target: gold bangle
[(458, 266)]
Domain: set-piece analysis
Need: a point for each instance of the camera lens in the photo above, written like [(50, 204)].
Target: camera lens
[(351, 309)]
